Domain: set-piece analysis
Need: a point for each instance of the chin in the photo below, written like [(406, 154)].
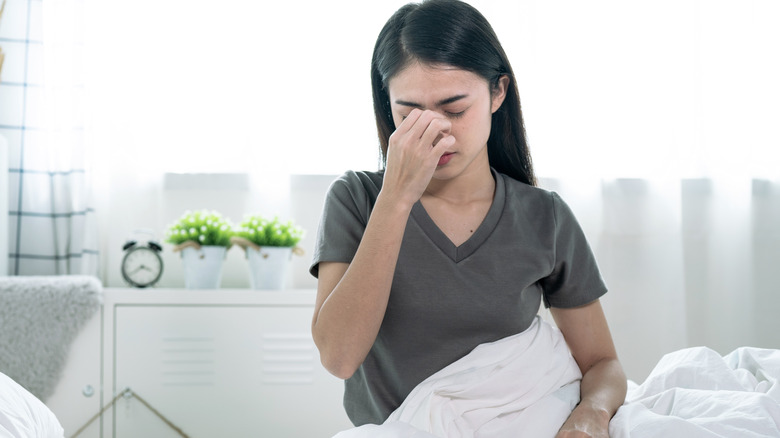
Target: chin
[(446, 172)]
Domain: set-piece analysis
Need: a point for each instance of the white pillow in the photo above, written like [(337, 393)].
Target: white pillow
[(22, 415)]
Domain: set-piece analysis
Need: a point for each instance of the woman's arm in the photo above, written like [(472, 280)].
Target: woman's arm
[(352, 298), (603, 386)]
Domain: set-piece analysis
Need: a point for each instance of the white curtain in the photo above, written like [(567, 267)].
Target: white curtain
[(688, 262), (656, 122), (51, 226)]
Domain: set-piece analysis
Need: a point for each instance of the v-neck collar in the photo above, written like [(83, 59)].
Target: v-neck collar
[(459, 253)]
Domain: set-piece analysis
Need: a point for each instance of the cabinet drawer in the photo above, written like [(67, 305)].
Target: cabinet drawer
[(222, 370)]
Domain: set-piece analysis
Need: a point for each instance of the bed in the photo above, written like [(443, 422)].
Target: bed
[(22, 415)]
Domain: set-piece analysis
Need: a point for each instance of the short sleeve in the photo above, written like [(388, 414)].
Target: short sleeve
[(575, 279), (343, 221)]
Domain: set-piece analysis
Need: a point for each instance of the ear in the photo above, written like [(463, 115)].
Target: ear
[(499, 93)]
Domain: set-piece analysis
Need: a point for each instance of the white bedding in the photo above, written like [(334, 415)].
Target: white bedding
[(493, 392), (528, 382), (696, 393), (22, 415)]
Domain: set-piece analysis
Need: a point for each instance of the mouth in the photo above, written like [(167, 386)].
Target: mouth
[(444, 159)]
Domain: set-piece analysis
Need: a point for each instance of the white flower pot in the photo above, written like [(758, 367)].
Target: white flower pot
[(268, 267), (203, 266)]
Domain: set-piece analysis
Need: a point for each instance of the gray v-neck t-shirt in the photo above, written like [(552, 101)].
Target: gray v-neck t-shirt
[(446, 299)]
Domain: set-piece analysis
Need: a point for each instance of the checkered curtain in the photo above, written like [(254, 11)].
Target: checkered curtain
[(52, 226)]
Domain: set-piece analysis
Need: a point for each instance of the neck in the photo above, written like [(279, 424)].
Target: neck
[(470, 186)]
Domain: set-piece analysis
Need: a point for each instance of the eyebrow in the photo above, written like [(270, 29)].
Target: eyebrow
[(439, 103)]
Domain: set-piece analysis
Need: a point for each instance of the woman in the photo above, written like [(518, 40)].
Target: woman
[(451, 245)]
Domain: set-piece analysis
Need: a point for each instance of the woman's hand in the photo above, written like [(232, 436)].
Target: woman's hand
[(585, 422), (413, 153)]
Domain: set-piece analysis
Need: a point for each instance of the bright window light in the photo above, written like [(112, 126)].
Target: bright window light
[(609, 88)]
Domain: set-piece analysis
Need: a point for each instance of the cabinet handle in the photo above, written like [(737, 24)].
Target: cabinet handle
[(88, 391)]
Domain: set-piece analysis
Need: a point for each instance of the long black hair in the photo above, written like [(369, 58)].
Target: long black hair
[(450, 32)]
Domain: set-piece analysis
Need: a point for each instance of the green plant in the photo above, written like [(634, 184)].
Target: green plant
[(204, 227), (264, 232)]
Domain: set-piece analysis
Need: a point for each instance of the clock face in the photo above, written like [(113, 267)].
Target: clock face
[(142, 266)]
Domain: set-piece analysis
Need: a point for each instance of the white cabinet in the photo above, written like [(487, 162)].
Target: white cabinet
[(77, 396), (214, 363)]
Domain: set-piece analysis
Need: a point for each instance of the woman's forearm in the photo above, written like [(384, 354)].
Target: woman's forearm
[(603, 386), (348, 320), (602, 392)]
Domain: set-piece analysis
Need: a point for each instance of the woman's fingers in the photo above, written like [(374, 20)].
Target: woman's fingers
[(418, 122), (432, 122), (437, 129), (441, 146), (408, 122), (414, 151), (422, 133)]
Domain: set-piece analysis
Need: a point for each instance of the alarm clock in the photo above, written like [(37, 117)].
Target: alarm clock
[(142, 265)]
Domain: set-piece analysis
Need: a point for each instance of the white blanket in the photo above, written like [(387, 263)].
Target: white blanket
[(696, 393), (524, 385)]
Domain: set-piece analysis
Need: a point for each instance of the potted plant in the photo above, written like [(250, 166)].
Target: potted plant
[(203, 238), (269, 246)]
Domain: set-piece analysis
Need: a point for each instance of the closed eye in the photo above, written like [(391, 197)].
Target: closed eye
[(450, 114)]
